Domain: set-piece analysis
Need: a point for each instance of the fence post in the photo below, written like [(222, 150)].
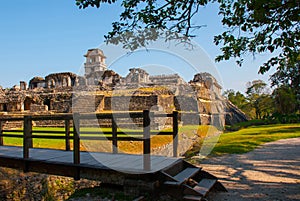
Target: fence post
[(27, 136), (67, 132), (175, 133), (1, 132), (146, 140), (76, 142), (114, 136)]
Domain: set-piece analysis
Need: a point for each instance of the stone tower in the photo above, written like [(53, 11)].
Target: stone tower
[(95, 61)]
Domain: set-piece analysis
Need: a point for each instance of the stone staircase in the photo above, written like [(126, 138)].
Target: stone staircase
[(189, 182), (84, 104)]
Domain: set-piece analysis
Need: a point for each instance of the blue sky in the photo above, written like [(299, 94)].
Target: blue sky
[(42, 37)]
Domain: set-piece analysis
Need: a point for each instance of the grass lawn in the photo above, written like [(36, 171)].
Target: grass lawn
[(247, 139), (244, 140)]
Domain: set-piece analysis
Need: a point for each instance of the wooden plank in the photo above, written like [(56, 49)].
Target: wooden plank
[(12, 135), (183, 176), (27, 141), (47, 154), (163, 115), (146, 143), (162, 161), (12, 131), (12, 152), (67, 134), (186, 174), (76, 141), (48, 136), (87, 158), (13, 148), (114, 136), (115, 160), (127, 160), (64, 159), (52, 117), (175, 133), (104, 158), (48, 132), (204, 186), (192, 198), (132, 161)]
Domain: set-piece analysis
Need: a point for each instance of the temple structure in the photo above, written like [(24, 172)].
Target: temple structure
[(101, 89)]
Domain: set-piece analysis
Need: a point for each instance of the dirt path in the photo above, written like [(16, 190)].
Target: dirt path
[(269, 173)]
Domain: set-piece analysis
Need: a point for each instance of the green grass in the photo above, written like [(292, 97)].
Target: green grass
[(245, 124), (243, 140), (247, 139)]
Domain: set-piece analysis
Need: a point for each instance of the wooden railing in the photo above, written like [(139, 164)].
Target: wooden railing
[(28, 133)]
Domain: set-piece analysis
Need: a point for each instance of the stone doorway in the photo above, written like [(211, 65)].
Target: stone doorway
[(27, 103)]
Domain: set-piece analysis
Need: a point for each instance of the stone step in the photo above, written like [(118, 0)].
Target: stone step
[(201, 189), (192, 198), (204, 186), (183, 176)]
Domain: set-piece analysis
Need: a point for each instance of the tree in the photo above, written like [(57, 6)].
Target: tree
[(237, 98), (253, 26), (287, 78), (256, 88), (285, 100), (256, 26), (259, 98)]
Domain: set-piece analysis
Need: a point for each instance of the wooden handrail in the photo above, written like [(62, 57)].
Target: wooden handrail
[(144, 136)]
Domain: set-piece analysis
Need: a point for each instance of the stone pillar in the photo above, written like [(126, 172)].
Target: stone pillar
[(23, 85)]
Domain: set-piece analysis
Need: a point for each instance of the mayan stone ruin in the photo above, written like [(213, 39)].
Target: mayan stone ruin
[(103, 90)]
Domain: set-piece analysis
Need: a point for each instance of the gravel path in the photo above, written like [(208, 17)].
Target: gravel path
[(269, 173)]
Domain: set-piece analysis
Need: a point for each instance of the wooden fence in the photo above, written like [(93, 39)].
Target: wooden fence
[(28, 132)]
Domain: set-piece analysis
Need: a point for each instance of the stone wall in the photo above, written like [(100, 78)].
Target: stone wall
[(86, 103), (61, 106), (38, 108), (130, 103), (174, 79), (186, 103)]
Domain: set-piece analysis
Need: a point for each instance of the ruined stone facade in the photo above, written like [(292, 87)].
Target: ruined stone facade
[(37, 82), (136, 76), (200, 101), (57, 80)]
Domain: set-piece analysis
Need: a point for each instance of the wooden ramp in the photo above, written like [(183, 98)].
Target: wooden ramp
[(129, 163)]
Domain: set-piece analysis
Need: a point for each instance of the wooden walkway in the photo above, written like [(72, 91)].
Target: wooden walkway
[(129, 164)]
